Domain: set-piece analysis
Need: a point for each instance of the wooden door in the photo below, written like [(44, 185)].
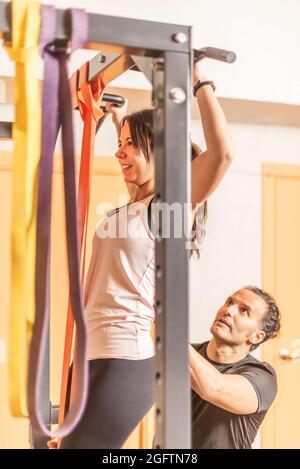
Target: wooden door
[(281, 277)]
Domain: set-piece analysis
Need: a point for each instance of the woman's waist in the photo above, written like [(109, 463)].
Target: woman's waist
[(119, 308), (120, 319), (126, 302), (105, 344), (111, 332)]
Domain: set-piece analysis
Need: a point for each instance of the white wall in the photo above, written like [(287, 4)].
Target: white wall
[(265, 34), (231, 256)]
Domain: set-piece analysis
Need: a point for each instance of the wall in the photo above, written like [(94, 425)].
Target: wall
[(232, 251), (231, 255), (264, 34)]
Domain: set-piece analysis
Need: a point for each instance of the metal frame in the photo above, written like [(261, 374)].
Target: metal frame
[(172, 160), (170, 45), (6, 128)]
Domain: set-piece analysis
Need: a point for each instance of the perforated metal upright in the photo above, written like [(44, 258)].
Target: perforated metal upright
[(170, 47)]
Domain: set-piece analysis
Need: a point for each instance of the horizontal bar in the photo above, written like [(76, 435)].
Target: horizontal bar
[(6, 127), (113, 98), (215, 54), (136, 36)]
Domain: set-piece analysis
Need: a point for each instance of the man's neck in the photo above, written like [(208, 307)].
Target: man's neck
[(225, 353)]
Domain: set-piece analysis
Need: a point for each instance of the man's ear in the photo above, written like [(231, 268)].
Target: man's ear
[(256, 337)]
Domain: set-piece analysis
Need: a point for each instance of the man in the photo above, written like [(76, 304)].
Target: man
[(232, 390)]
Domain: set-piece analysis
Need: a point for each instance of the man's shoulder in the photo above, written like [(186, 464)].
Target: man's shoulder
[(253, 362), (248, 363), (263, 378), (261, 375), (200, 347)]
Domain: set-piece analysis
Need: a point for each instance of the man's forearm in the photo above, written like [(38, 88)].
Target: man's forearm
[(206, 380)]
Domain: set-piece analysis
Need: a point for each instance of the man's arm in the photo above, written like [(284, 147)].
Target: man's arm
[(233, 393)]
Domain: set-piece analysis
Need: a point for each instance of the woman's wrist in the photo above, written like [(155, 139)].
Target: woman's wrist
[(199, 78), (203, 84)]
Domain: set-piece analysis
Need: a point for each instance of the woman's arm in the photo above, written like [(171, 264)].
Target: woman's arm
[(117, 114), (209, 168)]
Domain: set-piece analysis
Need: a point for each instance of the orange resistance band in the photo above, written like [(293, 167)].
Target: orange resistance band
[(87, 96)]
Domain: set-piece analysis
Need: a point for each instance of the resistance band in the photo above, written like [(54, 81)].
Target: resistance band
[(26, 135), (56, 95), (87, 96)]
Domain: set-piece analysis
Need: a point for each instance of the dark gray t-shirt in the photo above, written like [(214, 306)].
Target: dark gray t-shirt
[(213, 427)]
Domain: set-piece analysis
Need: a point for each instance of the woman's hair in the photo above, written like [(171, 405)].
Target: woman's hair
[(140, 126), (200, 219), (141, 131), (198, 230)]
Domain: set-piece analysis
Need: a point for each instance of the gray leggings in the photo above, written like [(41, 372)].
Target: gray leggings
[(121, 392)]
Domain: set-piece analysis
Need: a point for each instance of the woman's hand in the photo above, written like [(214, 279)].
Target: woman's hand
[(199, 72), (117, 112), (53, 444)]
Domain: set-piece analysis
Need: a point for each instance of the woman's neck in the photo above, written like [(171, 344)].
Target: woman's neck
[(141, 192)]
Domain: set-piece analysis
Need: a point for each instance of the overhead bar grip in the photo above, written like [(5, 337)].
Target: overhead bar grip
[(113, 98), (215, 54)]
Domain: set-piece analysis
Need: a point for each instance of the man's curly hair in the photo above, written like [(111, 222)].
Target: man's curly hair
[(271, 320)]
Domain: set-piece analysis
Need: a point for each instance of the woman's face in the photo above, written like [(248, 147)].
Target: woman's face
[(135, 168)]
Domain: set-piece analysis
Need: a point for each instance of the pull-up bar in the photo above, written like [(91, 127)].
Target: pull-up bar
[(97, 63), (6, 127)]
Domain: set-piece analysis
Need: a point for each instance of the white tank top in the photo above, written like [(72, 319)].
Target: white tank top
[(120, 285)]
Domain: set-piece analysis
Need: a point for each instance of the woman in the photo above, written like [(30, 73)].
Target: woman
[(119, 290)]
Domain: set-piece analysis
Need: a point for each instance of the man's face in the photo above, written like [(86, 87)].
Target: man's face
[(238, 321)]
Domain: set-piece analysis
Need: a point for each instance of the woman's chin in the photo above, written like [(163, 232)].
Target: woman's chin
[(128, 179)]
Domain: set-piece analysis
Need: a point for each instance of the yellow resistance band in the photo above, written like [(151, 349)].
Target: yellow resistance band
[(26, 136)]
